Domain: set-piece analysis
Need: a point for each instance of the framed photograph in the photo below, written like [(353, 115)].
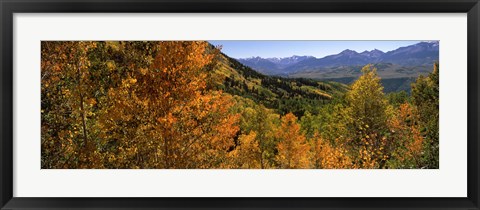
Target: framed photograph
[(239, 105)]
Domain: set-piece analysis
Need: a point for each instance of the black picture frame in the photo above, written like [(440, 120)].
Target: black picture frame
[(9, 7)]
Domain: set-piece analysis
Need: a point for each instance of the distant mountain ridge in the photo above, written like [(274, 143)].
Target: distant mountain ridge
[(273, 92), (273, 66), (288, 61), (415, 58)]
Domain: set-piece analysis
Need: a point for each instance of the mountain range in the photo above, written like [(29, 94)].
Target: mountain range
[(295, 95), (274, 66), (404, 62)]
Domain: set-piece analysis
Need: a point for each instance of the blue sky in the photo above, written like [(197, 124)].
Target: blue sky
[(319, 49)]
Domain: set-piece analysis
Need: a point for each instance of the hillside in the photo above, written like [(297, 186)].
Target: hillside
[(384, 70), (295, 95), (159, 105), (394, 77)]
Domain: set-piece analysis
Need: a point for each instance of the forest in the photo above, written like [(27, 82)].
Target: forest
[(186, 105)]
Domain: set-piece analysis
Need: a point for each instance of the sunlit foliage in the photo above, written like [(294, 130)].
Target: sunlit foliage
[(293, 151), (183, 104)]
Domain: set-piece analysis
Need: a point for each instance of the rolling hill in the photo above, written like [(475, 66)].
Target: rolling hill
[(295, 95)]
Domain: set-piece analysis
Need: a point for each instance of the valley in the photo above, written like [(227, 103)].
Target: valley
[(295, 95), (191, 105)]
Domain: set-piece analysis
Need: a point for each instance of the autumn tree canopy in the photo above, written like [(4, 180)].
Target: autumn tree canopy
[(185, 105)]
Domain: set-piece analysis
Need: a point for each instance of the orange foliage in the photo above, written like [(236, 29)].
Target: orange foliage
[(373, 152), (293, 151), (147, 108), (246, 153), (409, 139), (328, 157), (178, 120), (153, 105)]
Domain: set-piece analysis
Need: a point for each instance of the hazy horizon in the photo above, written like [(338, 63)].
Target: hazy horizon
[(319, 49)]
